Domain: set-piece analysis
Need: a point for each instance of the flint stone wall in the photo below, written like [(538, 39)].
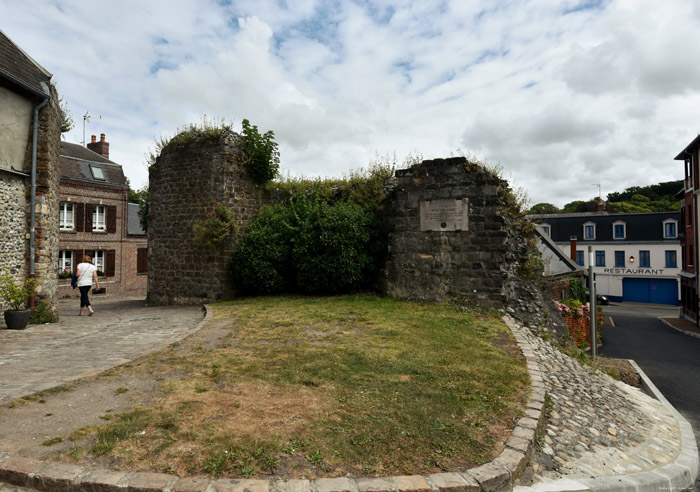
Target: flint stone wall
[(185, 185)]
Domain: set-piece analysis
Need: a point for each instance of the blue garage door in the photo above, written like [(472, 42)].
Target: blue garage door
[(653, 290)]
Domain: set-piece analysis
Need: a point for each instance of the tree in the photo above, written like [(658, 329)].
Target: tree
[(543, 208)]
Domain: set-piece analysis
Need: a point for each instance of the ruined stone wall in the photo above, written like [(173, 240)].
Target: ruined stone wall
[(435, 265), (185, 184), (454, 234)]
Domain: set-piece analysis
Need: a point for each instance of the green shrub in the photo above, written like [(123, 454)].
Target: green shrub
[(330, 252), (263, 156), (262, 260), (44, 312), (577, 290), (309, 246)]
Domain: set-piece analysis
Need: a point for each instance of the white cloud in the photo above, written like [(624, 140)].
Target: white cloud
[(561, 94)]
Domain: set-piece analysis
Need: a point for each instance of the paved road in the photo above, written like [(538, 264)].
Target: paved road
[(44, 356), (670, 359)]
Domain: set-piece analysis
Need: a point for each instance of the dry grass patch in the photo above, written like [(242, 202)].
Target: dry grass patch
[(309, 387)]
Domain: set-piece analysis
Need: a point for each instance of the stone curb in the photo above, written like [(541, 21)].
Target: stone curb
[(677, 476), (496, 476), (689, 333)]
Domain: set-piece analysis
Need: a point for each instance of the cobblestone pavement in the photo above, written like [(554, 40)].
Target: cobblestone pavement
[(44, 356), (597, 426)]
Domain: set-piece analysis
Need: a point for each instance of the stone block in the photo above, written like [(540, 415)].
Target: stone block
[(335, 485), (104, 481), (192, 484), (373, 485), (411, 483), (57, 477), (491, 476), (149, 482), (15, 470), (228, 485), (453, 482), (513, 461), (293, 486)]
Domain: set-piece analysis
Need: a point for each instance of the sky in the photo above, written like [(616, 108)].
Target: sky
[(561, 95)]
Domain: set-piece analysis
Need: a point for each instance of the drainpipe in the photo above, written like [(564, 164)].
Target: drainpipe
[(32, 222)]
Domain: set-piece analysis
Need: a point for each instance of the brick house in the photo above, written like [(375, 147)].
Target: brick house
[(30, 118), (96, 219), (689, 230)]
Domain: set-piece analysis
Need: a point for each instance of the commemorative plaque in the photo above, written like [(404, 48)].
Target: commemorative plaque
[(444, 215)]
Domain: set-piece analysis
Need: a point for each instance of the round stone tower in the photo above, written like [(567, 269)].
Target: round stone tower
[(186, 183)]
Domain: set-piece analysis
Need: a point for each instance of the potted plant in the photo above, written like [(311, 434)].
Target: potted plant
[(16, 318)]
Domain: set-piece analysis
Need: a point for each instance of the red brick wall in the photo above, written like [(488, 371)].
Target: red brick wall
[(125, 281)]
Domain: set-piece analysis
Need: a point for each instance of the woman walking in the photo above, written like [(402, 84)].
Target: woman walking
[(87, 273)]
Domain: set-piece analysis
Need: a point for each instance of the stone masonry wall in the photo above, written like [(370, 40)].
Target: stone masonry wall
[(47, 201), (15, 195), (185, 185), (481, 265), (437, 265), (13, 221)]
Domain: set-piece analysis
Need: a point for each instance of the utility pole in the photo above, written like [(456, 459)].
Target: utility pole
[(592, 299)]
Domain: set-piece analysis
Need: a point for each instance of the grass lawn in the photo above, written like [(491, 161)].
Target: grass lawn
[(309, 387)]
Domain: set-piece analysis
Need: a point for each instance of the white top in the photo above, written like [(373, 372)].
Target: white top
[(85, 271)]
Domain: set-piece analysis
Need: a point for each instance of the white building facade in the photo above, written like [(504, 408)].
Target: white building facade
[(636, 257)]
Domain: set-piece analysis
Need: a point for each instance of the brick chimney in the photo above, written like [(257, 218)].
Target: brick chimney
[(573, 247), (601, 205), (100, 147)]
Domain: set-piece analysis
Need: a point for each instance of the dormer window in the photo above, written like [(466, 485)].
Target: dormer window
[(547, 229), (98, 173), (589, 231), (670, 229), (619, 230)]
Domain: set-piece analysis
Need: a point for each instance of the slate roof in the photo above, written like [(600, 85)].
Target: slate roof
[(133, 225), (76, 162), (19, 71), (690, 147), (640, 227)]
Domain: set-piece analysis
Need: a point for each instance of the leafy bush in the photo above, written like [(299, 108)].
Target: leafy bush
[(577, 290), (45, 312), (330, 252), (263, 156), (214, 231), (262, 261), (310, 246), (15, 295)]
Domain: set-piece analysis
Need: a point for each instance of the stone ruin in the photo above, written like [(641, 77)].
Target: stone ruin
[(452, 236)]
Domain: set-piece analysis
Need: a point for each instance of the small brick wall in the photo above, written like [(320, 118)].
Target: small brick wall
[(185, 185)]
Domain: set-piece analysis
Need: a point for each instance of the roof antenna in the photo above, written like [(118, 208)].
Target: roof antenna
[(87, 118), (594, 184)]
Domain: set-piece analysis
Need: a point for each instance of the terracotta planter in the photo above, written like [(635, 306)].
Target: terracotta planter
[(17, 320)]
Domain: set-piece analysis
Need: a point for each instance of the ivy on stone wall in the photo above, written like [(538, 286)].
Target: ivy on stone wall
[(215, 231)]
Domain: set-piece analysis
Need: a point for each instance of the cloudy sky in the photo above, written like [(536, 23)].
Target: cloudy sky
[(562, 94)]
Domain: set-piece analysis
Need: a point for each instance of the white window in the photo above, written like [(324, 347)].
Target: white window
[(65, 217), (65, 262), (619, 230), (98, 260), (98, 218), (670, 229), (589, 231)]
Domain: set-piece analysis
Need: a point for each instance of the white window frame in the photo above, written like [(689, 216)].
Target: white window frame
[(585, 237), (65, 261), (99, 218), (675, 223), (63, 223), (547, 229), (98, 259), (624, 230)]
